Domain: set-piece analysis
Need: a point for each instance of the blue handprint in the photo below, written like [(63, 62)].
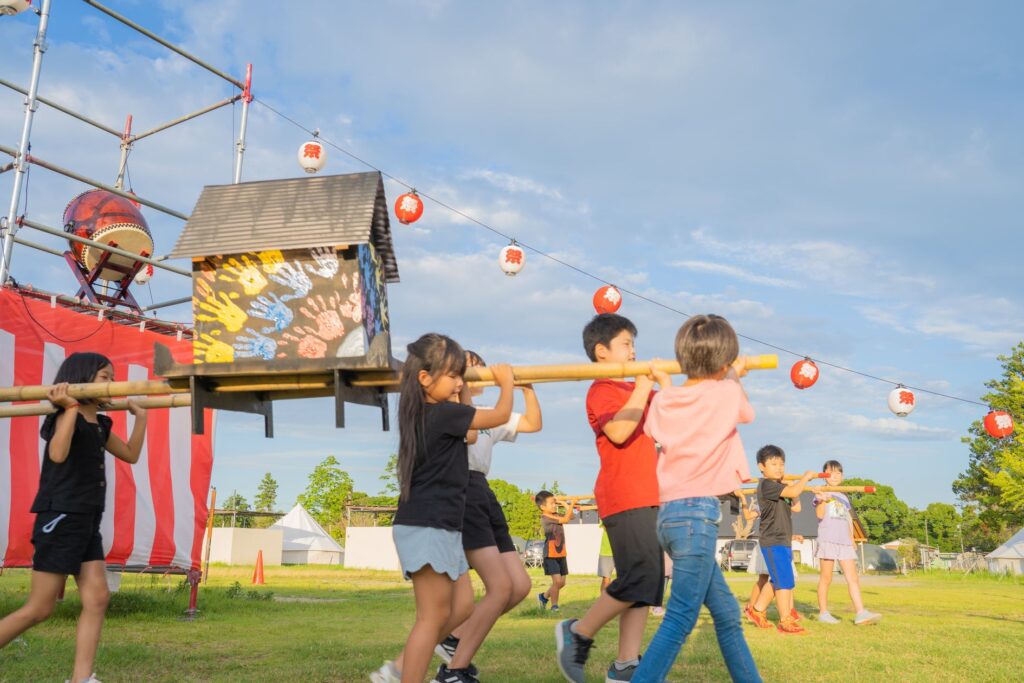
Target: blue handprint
[(255, 346), (294, 277), (271, 307)]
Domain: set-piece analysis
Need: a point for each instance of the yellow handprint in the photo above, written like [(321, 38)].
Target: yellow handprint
[(206, 349), (245, 273), (231, 316), (272, 260)]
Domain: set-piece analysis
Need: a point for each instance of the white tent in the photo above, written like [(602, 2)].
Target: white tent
[(305, 541), (1009, 557)]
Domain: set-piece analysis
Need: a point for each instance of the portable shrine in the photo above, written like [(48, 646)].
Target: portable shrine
[(289, 290)]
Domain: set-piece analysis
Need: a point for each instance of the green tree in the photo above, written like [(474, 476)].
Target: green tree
[(883, 515), (239, 504), (937, 525), (390, 477), (266, 494), (995, 474), (519, 508), (328, 489)]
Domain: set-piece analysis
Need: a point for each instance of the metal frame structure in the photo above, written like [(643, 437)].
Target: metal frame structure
[(12, 222)]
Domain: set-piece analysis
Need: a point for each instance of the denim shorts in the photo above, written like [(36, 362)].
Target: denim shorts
[(420, 546)]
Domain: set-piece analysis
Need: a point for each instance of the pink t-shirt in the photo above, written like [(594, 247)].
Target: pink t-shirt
[(701, 451)]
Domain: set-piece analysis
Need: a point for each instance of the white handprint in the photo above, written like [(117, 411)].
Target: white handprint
[(295, 278)]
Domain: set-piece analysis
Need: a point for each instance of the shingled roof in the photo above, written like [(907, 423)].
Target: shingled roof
[(293, 213)]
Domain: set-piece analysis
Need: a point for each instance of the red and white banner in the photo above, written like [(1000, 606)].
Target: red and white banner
[(156, 509)]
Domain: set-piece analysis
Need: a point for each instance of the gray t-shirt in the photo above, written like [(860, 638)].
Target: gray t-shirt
[(480, 452)]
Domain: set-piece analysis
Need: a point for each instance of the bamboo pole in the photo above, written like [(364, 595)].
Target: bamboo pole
[(790, 477), (827, 489), (324, 382)]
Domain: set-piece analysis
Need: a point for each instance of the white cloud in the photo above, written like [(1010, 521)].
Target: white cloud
[(512, 183), (734, 272)]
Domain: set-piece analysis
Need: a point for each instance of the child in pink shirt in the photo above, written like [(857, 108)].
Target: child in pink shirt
[(701, 458)]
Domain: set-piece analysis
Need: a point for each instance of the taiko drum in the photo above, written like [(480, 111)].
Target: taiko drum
[(110, 219)]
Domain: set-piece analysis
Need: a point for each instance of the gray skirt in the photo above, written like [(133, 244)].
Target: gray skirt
[(420, 546)]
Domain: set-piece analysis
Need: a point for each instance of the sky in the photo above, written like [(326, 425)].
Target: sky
[(838, 180)]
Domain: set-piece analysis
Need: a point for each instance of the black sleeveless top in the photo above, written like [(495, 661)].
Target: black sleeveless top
[(79, 484)]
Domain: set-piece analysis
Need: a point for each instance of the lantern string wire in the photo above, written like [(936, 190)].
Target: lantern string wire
[(598, 278)]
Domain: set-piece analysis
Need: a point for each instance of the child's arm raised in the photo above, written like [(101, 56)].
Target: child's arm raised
[(487, 418), (129, 452), (621, 427), (797, 487), (531, 420), (60, 442)]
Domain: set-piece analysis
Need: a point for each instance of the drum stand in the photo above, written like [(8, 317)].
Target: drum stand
[(87, 280)]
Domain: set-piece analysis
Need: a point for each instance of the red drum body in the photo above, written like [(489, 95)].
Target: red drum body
[(110, 219)]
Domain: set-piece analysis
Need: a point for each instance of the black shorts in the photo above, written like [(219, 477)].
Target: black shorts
[(64, 540), (483, 524), (556, 565), (639, 562)]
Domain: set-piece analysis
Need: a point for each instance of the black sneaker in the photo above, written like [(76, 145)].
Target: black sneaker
[(572, 651), (446, 675), (446, 648)]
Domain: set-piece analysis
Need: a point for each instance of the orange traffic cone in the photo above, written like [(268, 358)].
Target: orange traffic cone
[(257, 575)]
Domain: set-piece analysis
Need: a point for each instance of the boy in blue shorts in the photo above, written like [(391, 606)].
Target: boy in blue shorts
[(778, 501)]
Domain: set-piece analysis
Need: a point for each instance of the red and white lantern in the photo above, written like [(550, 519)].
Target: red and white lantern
[(998, 424), (145, 274), (408, 208), (902, 401), (512, 259), (804, 374), (12, 7), (312, 155), (607, 299)]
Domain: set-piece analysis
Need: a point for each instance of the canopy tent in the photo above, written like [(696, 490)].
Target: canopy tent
[(1009, 557), (305, 541)]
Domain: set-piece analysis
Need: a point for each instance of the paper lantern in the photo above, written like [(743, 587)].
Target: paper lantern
[(999, 424), (11, 7), (512, 259), (902, 401), (145, 274), (804, 373), (408, 208), (312, 156), (607, 299)]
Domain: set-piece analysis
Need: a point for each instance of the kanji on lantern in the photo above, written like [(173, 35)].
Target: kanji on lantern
[(145, 274), (902, 401), (804, 373), (512, 259), (408, 208), (312, 156), (999, 424), (607, 299)]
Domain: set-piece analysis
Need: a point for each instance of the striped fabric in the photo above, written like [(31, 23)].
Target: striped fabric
[(156, 510)]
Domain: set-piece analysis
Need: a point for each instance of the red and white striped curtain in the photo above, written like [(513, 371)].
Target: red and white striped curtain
[(156, 510)]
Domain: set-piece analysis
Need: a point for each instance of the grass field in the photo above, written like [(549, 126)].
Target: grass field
[(337, 625)]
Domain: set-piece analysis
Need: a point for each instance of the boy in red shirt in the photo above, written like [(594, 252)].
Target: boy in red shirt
[(627, 501)]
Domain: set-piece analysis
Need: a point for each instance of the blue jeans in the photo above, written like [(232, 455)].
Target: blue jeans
[(687, 529)]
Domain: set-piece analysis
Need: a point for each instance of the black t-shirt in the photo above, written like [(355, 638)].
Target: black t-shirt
[(437, 495), (79, 484), (776, 514), (554, 537)]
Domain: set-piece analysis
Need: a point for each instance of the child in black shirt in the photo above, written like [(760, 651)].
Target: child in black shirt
[(69, 506), (433, 474)]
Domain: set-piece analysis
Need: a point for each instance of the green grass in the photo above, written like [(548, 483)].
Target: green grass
[(325, 624)]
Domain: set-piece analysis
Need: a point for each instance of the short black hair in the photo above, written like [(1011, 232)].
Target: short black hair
[(542, 497), (832, 465), (766, 453), (602, 329)]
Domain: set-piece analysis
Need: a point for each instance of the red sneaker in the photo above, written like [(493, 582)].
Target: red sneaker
[(794, 615), (790, 627), (759, 619)]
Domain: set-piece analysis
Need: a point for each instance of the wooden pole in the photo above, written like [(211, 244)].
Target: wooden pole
[(828, 489), (209, 532)]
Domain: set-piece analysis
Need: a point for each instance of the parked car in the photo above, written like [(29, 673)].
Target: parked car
[(533, 554), (737, 554)]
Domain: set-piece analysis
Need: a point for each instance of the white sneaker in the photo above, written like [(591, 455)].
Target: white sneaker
[(827, 618), (387, 673), (92, 679), (864, 618)]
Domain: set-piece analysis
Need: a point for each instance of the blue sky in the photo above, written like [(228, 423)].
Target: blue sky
[(839, 180)]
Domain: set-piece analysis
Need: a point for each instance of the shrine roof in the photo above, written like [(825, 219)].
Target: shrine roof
[(292, 213)]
